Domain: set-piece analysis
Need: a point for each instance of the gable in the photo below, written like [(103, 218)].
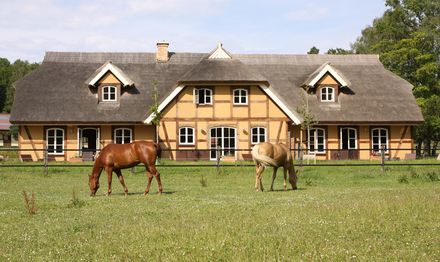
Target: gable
[(268, 91), (109, 78), (327, 79), (106, 68)]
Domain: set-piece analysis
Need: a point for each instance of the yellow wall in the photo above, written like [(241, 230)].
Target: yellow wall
[(108, 78), (327, 80), (140, 132), (259, 112), (399, 139)]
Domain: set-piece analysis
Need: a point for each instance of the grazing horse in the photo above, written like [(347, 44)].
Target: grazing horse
[(115, 157), (275, 155)]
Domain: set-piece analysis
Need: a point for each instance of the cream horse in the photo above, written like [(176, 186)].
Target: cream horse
[(275, 155)]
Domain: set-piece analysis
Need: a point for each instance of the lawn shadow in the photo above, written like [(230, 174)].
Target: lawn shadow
[(289, 189), (136, 193)]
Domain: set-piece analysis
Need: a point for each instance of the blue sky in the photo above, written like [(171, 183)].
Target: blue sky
[(28, 28)]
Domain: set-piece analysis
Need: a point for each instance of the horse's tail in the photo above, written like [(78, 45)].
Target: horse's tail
[(158, 150), (260, 158)]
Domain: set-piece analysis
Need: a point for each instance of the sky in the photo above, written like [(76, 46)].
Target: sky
[(29, 28)]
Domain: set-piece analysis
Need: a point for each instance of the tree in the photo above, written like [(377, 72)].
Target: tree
[(154, 108), (9, 73), (309, 118), (313, 50), (407, 38), (339, 51), (5, 80)]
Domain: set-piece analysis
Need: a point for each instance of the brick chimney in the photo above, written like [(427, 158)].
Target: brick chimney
[(162, 52)]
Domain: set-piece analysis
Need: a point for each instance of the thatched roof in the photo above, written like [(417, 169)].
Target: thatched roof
[(55, 91)]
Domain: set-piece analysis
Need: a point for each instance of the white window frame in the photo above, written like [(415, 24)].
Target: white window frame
[(55, 145), (109, 88), (355, 137), (314, 131), (379, 129), (196, 96), (258, 134), (186, 135), (326, 94), (123, 136), (240, 95)]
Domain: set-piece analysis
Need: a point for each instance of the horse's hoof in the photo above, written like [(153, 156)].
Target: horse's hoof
[(146, 193)]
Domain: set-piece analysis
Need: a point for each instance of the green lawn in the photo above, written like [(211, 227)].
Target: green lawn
[(338, 213)]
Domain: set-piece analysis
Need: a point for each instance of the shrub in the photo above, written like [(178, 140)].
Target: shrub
[(29, 202), (432, 176), (203, 181), (403, 179), (75, 201), (413, 173), (309, 182)]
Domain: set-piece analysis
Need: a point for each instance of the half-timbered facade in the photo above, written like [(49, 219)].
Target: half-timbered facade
[(214, 103)]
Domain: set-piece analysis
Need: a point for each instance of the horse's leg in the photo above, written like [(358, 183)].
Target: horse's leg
[(258, 185), (121, 180), (274, 175), (285, 178), (259, 178), (155, 173), (150, 178), (109, 171), (257, 167)]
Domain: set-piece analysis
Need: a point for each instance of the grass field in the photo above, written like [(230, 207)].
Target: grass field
[(338, 213)]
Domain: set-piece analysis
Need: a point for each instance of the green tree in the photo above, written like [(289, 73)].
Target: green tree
[(18, 70), (5, 80), (154, 108), (313, 50), (339, 51), (407, 38)]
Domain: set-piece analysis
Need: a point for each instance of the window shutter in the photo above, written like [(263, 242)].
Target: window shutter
[(196, 96)]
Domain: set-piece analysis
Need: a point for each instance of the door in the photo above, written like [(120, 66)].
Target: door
[(88, 142), (348, 144), (222, 140)]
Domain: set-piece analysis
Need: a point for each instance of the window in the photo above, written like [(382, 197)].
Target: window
[(186, 136), (379, 138), (258, 135), (55, 141), (328, 94), (202, 96), (109, 94), (317, 140), (240, 97), (348, 138), (123, 136)]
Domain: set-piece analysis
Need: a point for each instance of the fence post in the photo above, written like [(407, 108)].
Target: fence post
[(218, 159), (45, 169), (382, 158)]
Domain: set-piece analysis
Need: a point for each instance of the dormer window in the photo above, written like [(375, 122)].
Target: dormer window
[(109, 94), (202, 96), (327, 94), (240, 97)]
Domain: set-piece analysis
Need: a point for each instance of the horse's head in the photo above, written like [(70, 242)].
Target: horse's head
[(293, 177), (93, 184)]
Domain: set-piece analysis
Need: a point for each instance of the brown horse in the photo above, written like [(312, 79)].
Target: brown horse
[(275, 155), (115, 157)]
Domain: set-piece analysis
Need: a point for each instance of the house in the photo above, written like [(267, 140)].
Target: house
[(213, 103), (7, 138)]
